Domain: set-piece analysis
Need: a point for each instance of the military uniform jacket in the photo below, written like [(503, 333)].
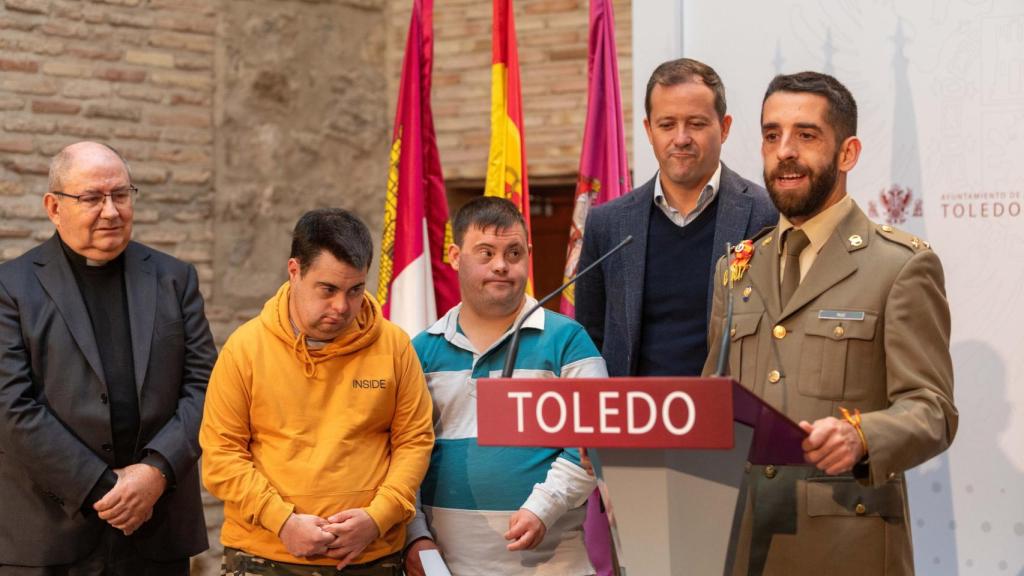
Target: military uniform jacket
[(867, 328)]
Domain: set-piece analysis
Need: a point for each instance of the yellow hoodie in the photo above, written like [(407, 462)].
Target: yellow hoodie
[(315, 431)]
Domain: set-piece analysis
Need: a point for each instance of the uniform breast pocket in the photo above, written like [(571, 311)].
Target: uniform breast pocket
[(743, 350), (838, 352)]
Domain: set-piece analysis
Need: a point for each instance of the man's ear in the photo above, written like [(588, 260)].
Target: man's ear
[(726, 125), (52, 206), (849, 153), (453, 256), (294, 270)]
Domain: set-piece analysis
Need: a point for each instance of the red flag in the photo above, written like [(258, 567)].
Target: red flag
[(604, 171), (416, 282), (506, 164)]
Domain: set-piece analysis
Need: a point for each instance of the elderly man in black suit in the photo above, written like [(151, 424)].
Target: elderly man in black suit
[(104, 357)]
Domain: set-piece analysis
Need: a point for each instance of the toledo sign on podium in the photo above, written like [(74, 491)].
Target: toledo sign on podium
[(606, 412)]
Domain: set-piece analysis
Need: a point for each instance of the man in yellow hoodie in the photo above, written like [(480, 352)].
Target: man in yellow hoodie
[(317, 428)]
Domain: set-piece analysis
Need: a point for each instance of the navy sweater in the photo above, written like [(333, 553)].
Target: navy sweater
[(673, 339)]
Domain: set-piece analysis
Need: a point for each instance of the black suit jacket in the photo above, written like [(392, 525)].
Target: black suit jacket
[(55, 430), (609, 299)]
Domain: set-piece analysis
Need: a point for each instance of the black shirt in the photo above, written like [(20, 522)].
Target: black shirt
[(106, 299)]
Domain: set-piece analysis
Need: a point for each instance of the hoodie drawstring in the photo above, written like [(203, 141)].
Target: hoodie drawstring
[(299, 346)]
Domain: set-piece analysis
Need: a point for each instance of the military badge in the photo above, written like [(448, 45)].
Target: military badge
[(740, 262)]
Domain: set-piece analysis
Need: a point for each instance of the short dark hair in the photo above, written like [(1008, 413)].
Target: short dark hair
[(486, 212), (335, 230), (842, 108), (681, 71)]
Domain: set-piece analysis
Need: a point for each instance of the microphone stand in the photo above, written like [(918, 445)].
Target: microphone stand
[(513, 347)]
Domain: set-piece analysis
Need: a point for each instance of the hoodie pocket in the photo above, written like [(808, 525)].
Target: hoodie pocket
[(329, 503)]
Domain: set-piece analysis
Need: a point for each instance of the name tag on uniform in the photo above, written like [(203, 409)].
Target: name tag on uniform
[(851, 315)]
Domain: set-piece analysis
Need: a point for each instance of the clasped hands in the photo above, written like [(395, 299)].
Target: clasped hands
[(130, 502), (342, 536)]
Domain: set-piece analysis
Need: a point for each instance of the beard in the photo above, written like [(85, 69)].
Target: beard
[(793, 204)]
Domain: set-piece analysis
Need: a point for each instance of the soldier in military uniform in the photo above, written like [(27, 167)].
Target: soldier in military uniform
[(843, 325)]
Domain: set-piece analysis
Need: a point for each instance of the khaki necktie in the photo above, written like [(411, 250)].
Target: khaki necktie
[(796, 241)]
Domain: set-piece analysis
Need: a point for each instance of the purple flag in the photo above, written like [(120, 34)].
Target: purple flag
[(604, 173)]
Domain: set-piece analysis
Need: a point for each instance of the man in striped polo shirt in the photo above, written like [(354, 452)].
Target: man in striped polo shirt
[(509, 511)]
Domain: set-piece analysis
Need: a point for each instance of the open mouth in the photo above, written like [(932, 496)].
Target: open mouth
[(791, 178)]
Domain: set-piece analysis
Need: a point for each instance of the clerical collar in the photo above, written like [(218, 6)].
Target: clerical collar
[(82, 263)]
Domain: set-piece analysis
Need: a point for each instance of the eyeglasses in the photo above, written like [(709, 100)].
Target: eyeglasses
[(122, 198)]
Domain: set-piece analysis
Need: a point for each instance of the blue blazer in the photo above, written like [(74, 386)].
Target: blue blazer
[(609, 298)]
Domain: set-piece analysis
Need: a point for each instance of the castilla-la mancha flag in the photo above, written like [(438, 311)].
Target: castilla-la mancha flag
[(506, 163), (416, 283), (604, 172)]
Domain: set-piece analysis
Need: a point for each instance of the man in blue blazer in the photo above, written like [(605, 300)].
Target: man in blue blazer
[(647, 307)]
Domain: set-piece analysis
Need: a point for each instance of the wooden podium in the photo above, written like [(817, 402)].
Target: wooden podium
[(670, 456)]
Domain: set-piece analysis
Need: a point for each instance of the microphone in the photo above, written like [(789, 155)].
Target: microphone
[(723, 350), (513, 347)]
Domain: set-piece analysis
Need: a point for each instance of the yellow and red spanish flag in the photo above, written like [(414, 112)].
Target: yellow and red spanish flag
[(416, 283), (506, 163), (604, 172)]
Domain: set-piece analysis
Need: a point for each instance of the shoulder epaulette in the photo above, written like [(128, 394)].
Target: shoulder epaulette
[(903, 238)]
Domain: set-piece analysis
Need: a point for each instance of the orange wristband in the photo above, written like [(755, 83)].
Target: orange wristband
[(854, 420)]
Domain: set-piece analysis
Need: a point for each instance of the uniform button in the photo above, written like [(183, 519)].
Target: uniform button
[(103, 398), (770, 472), (839, 331), (860, 509), (107, 448), (779, 331), (732, 331), (886, 228), (774, 376)]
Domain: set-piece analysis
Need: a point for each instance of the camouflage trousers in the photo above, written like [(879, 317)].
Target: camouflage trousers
[(239, 563)]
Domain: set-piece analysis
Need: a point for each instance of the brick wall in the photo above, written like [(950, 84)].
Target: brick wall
[(552, 38), (139, 77)]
